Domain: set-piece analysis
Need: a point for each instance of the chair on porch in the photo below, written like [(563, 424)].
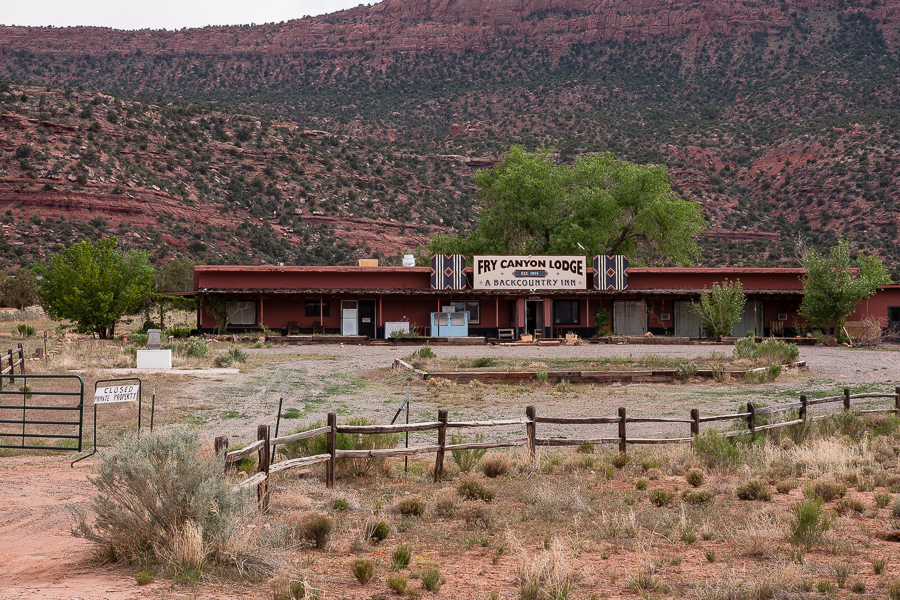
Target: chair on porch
[(776, 328), (317, 328), (293, 328)]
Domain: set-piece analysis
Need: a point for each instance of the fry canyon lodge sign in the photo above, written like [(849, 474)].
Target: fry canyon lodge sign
[(530, 272)]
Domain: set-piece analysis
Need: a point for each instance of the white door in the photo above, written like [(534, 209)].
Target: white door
[(349, 314)]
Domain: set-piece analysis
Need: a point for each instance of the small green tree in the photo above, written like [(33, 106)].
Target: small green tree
[(96, 285), (832, 289), (20, 289), (720, 308)]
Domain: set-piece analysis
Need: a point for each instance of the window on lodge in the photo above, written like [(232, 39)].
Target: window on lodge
[(565, 312), (473, 307), (312, 308), (893, 313), (240, 313)]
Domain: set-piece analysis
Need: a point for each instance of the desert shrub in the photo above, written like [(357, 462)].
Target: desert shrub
[(179, 331), (895, 509), (194, 348), (826, 488), (159, 496), (144, 577), (401, 556), (784, 486), (139, 338), (809, 523), (307, 447), (495, 465), (445, 506), (619, 460), (312, 528), (882, 499), (397, 583), (230, 357), (697, 496), (878, 565), (425, 352), (754, 489), (363, 569), (694, 477), (660, 497), (358, 467), (25, 330), (745, 347), (641, 483), (685, 370), (412, 506), (466, 459), (716, 450), (340, 504), (430, 576), (769, 351), (845, 505), (380, 532), (484, 362), (470, 488)]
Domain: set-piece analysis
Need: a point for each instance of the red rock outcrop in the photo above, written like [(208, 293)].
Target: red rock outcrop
[(442, 25)]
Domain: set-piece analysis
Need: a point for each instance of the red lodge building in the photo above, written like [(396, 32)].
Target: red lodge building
[(502, 296)]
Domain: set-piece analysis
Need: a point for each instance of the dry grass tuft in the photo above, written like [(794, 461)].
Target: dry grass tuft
[(548, 575), (761, 536)]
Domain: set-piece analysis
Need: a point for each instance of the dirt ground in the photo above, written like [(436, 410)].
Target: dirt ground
[(40, 559)]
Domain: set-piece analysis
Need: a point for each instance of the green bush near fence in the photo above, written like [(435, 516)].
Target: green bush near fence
[(358, 467)]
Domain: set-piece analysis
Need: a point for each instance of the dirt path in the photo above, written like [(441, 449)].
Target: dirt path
[(38, 556)]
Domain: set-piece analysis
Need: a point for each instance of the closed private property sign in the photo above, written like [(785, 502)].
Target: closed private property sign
[(116, 393), (529, 273)]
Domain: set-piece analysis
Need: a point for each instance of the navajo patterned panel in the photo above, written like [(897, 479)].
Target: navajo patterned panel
[(447, 272), (610, 272)]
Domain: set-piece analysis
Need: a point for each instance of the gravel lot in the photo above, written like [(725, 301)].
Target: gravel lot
[(355, 381)]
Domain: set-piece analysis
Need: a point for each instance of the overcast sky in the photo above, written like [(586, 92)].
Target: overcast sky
[(163, 14)]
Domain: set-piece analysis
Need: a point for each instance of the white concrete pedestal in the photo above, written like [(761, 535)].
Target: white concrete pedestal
[(154, 359)]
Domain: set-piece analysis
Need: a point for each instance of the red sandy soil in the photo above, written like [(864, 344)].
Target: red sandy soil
[(39, 558)]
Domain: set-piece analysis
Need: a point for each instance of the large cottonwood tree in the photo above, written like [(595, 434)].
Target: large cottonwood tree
[(531, 205)]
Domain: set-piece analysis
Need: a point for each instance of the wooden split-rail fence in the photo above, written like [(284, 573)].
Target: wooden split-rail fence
[(752, 417), (11, 360)]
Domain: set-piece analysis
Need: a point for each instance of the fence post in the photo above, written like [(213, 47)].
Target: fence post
[(21, 359), (897, 401), (221, 446), (623, 444), (846, 398), (442, 444), (330, 438), (262, 490), (12, 366), (531, 433), (695, 422), (751, 418), (803, 405)]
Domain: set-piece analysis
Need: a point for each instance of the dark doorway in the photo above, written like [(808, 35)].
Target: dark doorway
[(534, 316), (367, 318)]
